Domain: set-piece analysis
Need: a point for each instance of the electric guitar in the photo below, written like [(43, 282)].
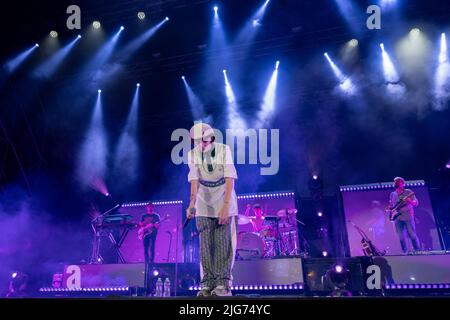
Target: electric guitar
[(148, 226), (394, 212), (369, 249)]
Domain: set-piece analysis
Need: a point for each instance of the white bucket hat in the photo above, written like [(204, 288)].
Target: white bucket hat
[(201, 130)]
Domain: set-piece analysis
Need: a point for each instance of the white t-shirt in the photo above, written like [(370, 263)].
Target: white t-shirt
[(211, 168)]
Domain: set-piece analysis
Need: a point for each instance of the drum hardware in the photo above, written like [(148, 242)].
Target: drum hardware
[(277, 237), (250, 246), (286, 212)]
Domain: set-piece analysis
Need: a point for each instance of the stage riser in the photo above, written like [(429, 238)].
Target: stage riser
[(268, 272), (429, 269), (103, 275), (128, 275), (424, 269)]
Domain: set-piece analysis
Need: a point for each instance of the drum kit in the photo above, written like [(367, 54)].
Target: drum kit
[(277, 236)]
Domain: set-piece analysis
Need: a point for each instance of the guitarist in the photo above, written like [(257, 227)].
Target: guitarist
[(405, 201), (148, 230)]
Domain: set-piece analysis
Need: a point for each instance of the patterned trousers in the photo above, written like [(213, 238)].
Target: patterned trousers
[(217, 251)]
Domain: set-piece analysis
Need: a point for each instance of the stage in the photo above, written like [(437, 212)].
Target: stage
[(396, 276)]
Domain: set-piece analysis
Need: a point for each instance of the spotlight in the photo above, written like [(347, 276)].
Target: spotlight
[(53, 34), (183, 77), (122, 27), (336, 279), (316, 188), (353, 43), (447, 165), (224, 71), (18, 285), (138, 84), (36, 45), (315, 177), (216, 8), (390, 72), (256, 23), (277, 64), (79, 36), (155, 273), (324, 253), (167, 19), (345, 83), (96, 24), (320, 214), (141, 15), (99, 91)]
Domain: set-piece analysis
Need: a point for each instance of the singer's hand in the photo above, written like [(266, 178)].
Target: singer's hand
[(190, 213), (224, 214)]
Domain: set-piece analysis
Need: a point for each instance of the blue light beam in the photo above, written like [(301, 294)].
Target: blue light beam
[(137, 43), (390, 73), (351, 14), (345, 83), (250, 28), (93, 153), (442, 76), (235, 122), (14, 63), (49, 67), (268, 104), (126, 159), (197, 107), (104, 53)]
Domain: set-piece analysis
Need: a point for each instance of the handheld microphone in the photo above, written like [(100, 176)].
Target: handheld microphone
[(186, 222)]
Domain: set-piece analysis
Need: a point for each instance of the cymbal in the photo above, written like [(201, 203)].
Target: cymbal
[(286, 212), (243, 219)]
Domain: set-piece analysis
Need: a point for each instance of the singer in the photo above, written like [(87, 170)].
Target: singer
[(213, 201)]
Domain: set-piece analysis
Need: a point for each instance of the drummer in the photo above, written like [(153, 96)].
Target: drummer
[(257, 220)]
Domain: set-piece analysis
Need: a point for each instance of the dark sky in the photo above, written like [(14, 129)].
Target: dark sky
[(366, 138)]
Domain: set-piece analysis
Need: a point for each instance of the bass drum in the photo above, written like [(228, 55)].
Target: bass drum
[(250, 246)]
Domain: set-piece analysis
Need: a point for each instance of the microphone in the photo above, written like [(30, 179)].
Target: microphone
[(192, 210)]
